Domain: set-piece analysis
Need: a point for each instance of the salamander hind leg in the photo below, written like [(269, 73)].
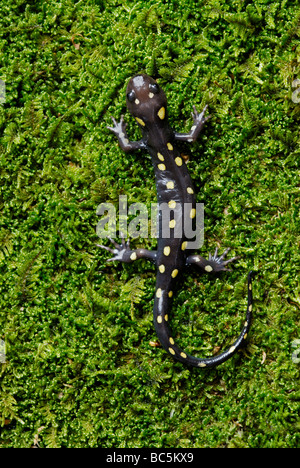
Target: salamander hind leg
[(123, 253), (214, 263)]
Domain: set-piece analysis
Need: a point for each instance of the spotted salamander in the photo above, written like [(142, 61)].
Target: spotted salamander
[(146, 101)]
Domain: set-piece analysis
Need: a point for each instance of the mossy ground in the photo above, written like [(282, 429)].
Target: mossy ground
[(80, 370)]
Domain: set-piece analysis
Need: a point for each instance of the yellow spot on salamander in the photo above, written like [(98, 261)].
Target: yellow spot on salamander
[(184, 245), (160, 156), (208, 268), (159, 319), (202, 364), (166, 317), (250, 308), (133, 256), (232, 349), (190, 190), (161, 167), (161, 113), (151, 95), (245, 336), (158, 293), (192, 213), (250, 287), (137, 101), (172, 204), (183, 355), (170, 185), (167, 250), (162, 268), (178, 161), (171, 340), (170, 146), (174, 273), (140, 121), (172, 223), (246, 324), (171, 350), (170, 293)]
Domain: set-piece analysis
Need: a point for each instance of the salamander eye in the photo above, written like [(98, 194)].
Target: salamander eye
[(131, 96), (154, 88)]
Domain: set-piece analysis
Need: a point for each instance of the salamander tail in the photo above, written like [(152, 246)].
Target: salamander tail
[(161, 323)]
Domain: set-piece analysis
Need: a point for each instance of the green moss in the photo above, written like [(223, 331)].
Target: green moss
[(80, 370)]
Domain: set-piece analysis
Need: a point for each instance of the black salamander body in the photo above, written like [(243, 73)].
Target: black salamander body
[(146, 101)]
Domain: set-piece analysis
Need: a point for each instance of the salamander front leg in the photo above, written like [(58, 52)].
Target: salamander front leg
[(199, 121), (119, 129), (123, 253), (213, 264)]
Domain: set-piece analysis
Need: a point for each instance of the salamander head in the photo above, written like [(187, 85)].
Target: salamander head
[(146, 101)]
